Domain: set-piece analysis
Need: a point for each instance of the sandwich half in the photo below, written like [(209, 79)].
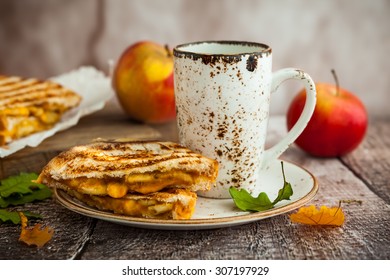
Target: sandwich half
[(149, 179), (28, 106)]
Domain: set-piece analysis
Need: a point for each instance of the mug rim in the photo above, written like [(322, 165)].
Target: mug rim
[(265, 49)]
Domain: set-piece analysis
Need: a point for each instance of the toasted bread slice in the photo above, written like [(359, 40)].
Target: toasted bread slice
[(29, 105), (174, 204), (118, 168)]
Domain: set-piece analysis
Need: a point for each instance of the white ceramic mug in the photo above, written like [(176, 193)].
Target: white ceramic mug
[(223, 91)]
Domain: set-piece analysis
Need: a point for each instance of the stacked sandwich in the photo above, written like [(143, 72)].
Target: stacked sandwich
[(29, 105), (147, 179)]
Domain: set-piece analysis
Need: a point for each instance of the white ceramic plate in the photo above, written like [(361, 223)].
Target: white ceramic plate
[(217, 213)]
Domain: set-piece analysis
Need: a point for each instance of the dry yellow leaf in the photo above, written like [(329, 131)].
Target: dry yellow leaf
[(34, 236), (324, 216)]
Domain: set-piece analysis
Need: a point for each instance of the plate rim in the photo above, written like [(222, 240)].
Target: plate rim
[(70, 203)]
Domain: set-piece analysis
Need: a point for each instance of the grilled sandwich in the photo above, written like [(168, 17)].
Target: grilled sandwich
[(126, 177), (116, 168), (28, 106)]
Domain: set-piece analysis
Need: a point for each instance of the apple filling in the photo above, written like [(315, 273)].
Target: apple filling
[(168, 207), (143, 183), (16, 123)]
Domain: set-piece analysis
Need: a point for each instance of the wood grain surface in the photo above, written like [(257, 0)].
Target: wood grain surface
[(361, 176)]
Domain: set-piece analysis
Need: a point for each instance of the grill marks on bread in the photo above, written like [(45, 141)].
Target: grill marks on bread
[(106, 168), (117, 157), (19, 92)]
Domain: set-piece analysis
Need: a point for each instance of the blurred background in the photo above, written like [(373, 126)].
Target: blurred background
[(45, 38)]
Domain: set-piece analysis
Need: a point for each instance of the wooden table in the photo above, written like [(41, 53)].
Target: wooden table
[(363, 175)]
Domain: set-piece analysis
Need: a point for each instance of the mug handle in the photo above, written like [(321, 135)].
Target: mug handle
[(279, 77)]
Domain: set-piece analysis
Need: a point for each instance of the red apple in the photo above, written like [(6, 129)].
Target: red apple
[(143, 82), (338, 124)]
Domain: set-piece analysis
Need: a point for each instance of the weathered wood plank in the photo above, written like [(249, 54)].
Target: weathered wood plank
[(71, 231), (371, 161), (29, 163)]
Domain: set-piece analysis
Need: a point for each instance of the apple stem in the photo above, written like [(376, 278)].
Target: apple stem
[(337, 81), (169, 54)]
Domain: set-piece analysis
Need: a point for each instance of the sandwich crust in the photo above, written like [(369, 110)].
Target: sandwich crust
[(118, 168)]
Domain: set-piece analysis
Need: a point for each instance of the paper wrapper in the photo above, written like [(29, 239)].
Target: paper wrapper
[(95, 89)]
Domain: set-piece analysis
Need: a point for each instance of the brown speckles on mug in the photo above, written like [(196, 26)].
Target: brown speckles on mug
[(251, 63), (221, 131), (219, 92), (211, 117), (223, 127), (239, 76), (219, 153)]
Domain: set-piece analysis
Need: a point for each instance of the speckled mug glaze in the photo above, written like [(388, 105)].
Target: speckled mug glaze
[(222, 91)]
